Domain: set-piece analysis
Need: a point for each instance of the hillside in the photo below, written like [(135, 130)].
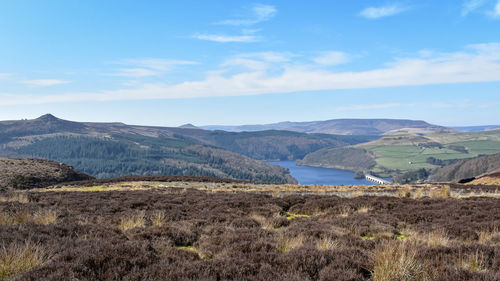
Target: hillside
[(400, 153), (466, 169), (348, 158), (342, 127), (116, 149), (491, 178), (35, 173)]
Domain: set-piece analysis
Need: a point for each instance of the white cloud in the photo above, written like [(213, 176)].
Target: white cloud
[(357, 107), (471, 5), (45, 82), (379, 12), (147, 67), (332, 58), (259, 13), (496, 11), (226, 38), (475, 63)]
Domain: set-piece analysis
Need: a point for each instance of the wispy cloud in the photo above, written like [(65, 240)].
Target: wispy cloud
[(332, 58), (496, 11), (471, 5), (475, 63), (134, 72), (357, 107), (380, 12), (147, 67), (258, 13), (226, 38), (6, 76), (45, 82)]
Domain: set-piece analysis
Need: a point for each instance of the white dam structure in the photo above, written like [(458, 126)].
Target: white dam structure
[(376, 179)]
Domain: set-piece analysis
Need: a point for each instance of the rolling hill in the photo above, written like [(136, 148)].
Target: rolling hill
[(342, 127), (116, 149), (467, 169), (402, 152), (35, 173)]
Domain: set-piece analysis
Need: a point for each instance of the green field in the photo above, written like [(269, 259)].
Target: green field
[(414, 156)]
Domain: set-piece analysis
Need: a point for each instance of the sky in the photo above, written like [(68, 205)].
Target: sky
[(167, 63)]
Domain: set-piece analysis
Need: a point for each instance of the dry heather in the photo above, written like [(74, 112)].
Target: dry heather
[(214, 231)]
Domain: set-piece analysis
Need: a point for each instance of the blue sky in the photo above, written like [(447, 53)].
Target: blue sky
[(243, 62)]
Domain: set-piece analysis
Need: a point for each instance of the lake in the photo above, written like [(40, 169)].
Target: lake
[(315, 175)]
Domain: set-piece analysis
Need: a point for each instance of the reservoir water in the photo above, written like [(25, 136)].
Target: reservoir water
[(314, 175)]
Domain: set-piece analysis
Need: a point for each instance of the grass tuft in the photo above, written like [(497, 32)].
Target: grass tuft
[(136, 220), (19, 258), (475, 262), (327, 243), (287, 243), (344, 211), (364, 210), (396, 261), (490, 236), (441, 192), (45, 217), (158, 218)]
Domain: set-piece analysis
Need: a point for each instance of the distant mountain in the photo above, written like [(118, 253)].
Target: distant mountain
[(342, 127), (478, 128), (188, 126), (115, 149), (35, 173)]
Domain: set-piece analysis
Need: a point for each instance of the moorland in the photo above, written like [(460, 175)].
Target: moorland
[(188, 230)]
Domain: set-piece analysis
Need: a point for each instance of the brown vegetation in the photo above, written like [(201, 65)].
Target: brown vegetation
[(172, 231), (35, 173)]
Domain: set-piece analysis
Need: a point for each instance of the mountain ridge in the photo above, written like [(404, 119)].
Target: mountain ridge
[(341, 126)]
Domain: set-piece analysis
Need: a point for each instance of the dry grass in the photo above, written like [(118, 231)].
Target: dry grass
[(436, 238), (18, 197), (287, 243), (40, 217), (404, 192), (440, 192), (19, 258), (344, 211), (419, 193), (433, 239), (397, 261), (264, 222), (364, 210), (281, 190), (489, 236), (133, 221), (45, 217), (158, 218), (474, 262), (327, 243)]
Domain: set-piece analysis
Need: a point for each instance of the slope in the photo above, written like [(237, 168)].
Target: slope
[(116, 149), (342, 126)]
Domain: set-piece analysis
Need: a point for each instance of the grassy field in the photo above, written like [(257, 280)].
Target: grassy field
[(411, 152), (239, 231)]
